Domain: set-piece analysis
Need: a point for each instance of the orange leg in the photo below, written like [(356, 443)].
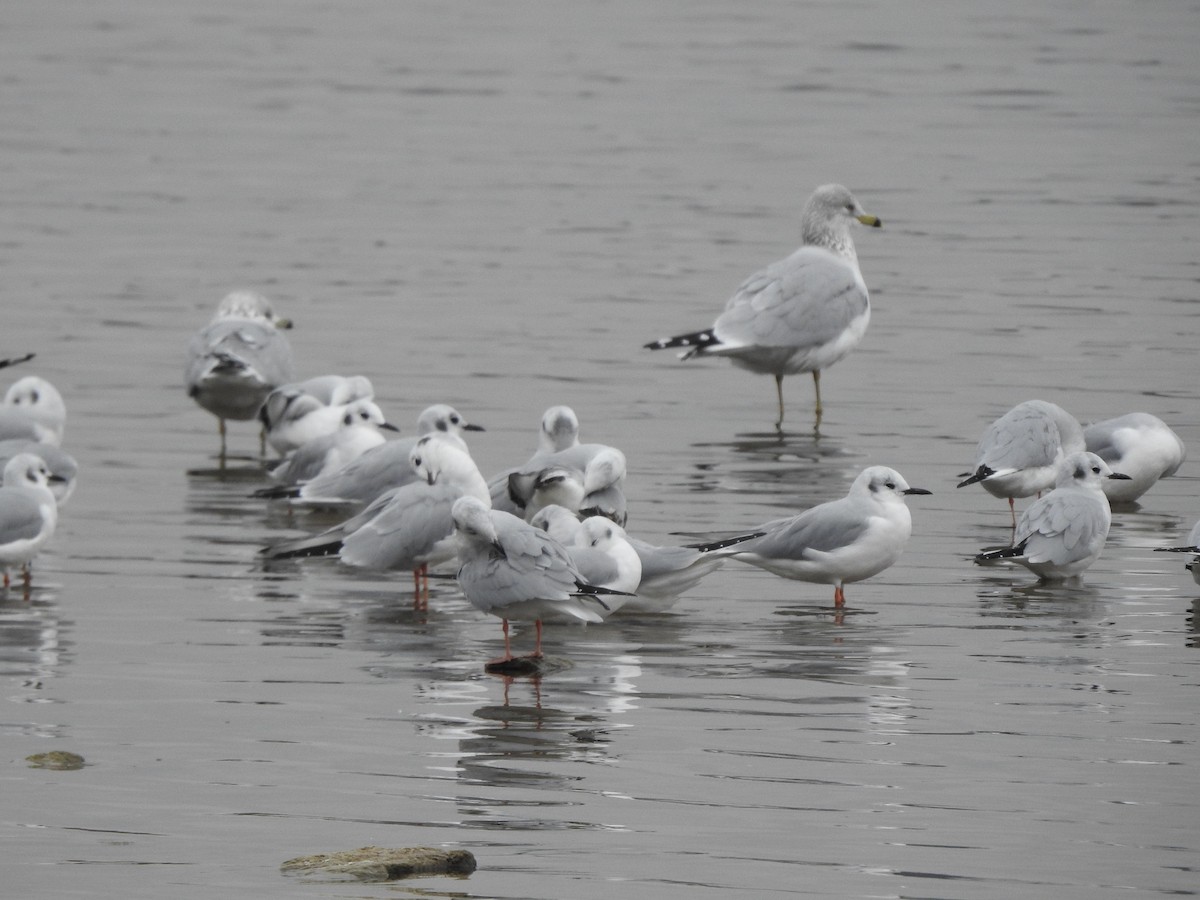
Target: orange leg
[(839, 597), (537, 646)]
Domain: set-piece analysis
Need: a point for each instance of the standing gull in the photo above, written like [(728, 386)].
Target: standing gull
[(1019, 453), (838, 542), (28, 512), (801, 314), (513, 570), (1061, 534), (236, 360)]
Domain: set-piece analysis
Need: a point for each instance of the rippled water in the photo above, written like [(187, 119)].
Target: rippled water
[(494, 206)]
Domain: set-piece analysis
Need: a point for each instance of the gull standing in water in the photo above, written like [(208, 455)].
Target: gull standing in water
[(801, 314), (1061, 534), (1139, 445), (515, 571), (408, 528), (838, 542), (1019, 453), (28, 512), (236, 360)]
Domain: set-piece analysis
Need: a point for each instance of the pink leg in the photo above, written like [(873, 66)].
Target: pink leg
[(537, 646), (839, 597)]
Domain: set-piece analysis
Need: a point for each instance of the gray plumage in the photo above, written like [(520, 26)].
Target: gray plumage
[(841, 541), (28, 511), (62, 466), (236, 360), (802, 313), (380, 469), (357, 431), (512, 570), (1062, 534), (294, 414), (1019, 453), (1139, 445)]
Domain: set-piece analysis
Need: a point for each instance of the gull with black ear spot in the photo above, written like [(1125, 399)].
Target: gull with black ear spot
[(838, 542), (28, 512), (1060, 535), (801, 314), (34, 410)]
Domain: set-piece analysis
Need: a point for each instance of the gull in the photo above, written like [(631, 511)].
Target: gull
[(1139, 445), (379, 469), (61, 464), (1061, 534), (1019, 453), (1192, 546), (33, 409), (837, 542), (28, 512), (408, 528), (559, 430), (236, 360), (599, 547), (587, 479), (666, 571), (294, 414), (802, 313), (514, 571), (14, 360), (357, 431)]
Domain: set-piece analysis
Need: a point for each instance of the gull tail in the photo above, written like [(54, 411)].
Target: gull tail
[(278, 492), (1177, 549), (721, 544), (980, 474), (695, 342), (991, 557), (304, 548)]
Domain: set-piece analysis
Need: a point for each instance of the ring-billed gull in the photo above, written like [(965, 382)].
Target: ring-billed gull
[(408, 528), (28, 512), (1193, 547), (1139, 445), (802, 313), (236, 360), (378, 470), (1061, 534), (294, 414), (838, 542), (512, 570), (1019, 453), (33, 408)]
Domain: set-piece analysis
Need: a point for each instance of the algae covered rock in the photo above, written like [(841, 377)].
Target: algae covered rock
[(55, 759), (383, 864)]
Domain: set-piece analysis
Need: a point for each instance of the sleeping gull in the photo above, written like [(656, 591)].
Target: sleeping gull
[(1139, 445), (294, 414), (837, 542), (236, 360), (1019, 453), (801, 314), (33, 409), (515, 571), (1061, 534)]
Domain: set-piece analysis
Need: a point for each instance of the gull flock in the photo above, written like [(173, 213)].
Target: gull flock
[(545, 540)]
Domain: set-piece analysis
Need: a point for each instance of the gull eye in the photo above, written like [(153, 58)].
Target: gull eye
[(454, 420)]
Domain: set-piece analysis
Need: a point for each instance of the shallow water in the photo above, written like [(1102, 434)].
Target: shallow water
[(494, 208)]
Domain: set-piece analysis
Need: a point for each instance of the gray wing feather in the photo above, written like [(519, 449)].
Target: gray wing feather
[(805, 300), (20, 518)]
